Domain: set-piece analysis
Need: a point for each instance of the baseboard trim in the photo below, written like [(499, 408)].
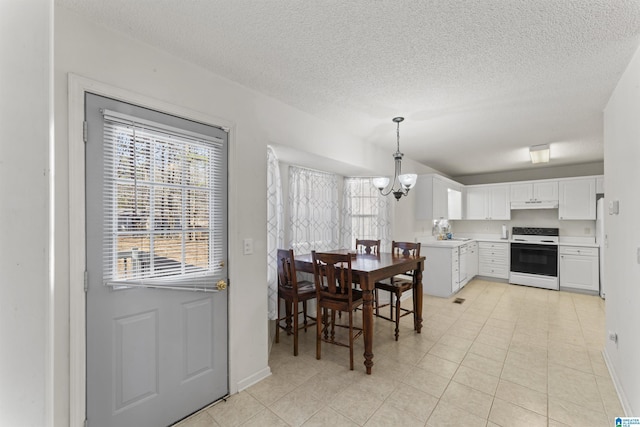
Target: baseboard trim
[(491, 279), (254, 379), (616, 383)]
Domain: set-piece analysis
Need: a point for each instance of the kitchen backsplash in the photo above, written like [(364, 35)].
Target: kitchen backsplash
[(527, 218)]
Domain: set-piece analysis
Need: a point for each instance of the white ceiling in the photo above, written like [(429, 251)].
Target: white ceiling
[(478, 82)]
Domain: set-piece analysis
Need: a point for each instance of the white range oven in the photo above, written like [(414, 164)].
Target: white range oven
[(534, 257)]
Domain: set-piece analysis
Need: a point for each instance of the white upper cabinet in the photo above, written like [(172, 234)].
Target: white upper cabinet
[(534, 191), (476, 203), (455, 203), (488, 202), (547, 190), (600, 185), (521, 192), (577, 199), (440, 199), (499, 202), (437, 197)]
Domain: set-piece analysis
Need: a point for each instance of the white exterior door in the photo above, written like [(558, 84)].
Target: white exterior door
[(156, 247)]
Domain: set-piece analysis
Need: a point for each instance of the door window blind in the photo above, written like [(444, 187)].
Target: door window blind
[(165, 210)]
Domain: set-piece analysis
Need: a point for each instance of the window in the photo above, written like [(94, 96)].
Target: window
[(366, 213), (314, 210), (165, 204)]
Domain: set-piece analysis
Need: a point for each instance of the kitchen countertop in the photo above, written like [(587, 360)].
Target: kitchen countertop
[(453, 243), (443, 243), (456, 243), (493, 240), (585, 242), (582, 245)]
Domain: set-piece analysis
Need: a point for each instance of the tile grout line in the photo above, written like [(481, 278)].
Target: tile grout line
[(477, 304)]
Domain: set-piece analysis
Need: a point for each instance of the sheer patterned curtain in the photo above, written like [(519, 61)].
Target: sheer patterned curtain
[(275, 228), (366, 213), (314, 210)]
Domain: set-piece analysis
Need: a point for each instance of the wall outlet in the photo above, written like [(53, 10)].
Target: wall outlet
[(247, 246)]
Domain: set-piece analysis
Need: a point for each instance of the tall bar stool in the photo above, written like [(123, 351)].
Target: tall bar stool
[(368, 246), (396, 286), (292, 292), (335, 293)]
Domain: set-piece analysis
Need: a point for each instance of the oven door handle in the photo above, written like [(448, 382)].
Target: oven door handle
[(541, 248)]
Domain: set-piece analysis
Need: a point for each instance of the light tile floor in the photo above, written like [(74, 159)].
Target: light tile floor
[(508, 356)]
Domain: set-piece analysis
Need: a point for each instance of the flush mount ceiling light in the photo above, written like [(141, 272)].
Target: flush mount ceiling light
[(539, 153), (406, 182)]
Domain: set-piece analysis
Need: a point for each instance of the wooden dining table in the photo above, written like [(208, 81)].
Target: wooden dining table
[(368, 269)]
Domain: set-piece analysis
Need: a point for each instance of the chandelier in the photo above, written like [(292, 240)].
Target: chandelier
[(406, 181)]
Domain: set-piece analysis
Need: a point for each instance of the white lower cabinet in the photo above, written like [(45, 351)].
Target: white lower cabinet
[(441, 271), (493, 259), (468, 262), (579, 269), (472, 260)]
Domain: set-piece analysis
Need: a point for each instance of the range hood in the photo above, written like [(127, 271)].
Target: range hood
[(535, 204)]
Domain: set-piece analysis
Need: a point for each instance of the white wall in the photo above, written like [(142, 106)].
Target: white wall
[(113, 59), (622, 175), (544, 172), (26, 117)]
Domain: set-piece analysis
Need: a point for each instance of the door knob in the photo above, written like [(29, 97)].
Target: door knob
[(221, 285)]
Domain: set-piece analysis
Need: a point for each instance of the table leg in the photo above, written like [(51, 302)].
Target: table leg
[(417, 298), (367, 326)]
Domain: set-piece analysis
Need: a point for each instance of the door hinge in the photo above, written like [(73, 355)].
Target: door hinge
[(85, 131), (86, 283)]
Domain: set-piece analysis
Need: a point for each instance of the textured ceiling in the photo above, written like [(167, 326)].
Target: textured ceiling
[(477, 81)]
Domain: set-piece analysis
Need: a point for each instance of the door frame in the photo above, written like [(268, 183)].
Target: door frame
[(77, 86)]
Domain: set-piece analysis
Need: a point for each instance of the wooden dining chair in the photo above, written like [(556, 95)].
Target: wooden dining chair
[(293, 292), (368, 246), (335, 293), (396, 286)]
